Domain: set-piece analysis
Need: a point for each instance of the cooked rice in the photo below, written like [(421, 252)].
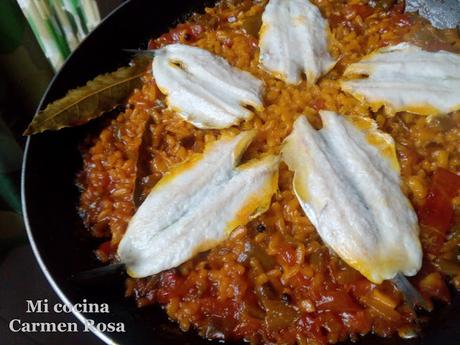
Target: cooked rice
[(273, 280)]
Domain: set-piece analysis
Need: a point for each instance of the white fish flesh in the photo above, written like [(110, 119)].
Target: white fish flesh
[(405, 77), (347, 181), (294, 40), (197, 205), (204, 88)]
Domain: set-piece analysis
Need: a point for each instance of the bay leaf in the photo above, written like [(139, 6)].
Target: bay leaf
[(88, 102)]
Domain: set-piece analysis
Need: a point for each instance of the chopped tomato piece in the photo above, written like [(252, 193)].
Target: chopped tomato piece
[(248, 328), (437, 210), (106, 251), (106, 247), (361, 287), (335, 20), (169, 286), (337, 301), (225, 310), (287, 254), (447, 181), (358, 322), (181, 33), (362, 10), (318, 104)]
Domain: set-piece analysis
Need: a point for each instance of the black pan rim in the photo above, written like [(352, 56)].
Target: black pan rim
[(25, 216)]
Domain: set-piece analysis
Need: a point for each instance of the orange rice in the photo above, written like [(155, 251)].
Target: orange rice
[(273, 280)]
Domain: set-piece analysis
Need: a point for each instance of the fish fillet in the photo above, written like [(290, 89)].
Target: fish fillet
[(347, 182), (406, 78), (204, 88), (294, 40), (197, 205)]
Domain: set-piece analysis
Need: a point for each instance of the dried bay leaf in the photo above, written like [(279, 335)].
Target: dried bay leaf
[(88, 102)]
